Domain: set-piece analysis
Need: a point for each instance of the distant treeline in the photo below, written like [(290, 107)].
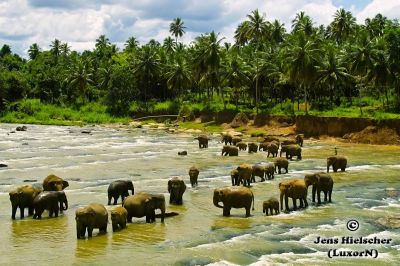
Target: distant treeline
[(311, 64)]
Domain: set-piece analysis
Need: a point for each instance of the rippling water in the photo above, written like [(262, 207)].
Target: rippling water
[(199, 235)]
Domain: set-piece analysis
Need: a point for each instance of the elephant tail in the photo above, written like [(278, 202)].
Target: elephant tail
[(252, 195)]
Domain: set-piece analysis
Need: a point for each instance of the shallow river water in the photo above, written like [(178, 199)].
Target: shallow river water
[(199, 235)]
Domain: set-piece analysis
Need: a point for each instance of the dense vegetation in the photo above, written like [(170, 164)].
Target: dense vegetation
[(326, 68)]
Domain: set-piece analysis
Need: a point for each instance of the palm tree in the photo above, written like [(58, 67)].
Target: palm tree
[(147, 66), (79, 77), (303, 57), (376, 26), (302, 22), (169, 44), (55, 49), (177, 28), (241, 33), (256, 29), (33, 51), (343, 25), (65, 49), (278, 31), (178, 76), (332, 71), (131, 44)]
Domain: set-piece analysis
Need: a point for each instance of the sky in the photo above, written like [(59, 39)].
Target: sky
[(80, 22)]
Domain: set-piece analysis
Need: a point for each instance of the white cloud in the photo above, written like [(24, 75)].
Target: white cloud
[(23, 22)]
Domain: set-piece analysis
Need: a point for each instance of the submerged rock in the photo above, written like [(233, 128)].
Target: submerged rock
[(3, 165), (392, 221), (392, 192), (86, 132), (182, 152), (23, 128)]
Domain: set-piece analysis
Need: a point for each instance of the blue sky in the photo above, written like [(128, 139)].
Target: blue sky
[(80, 22)]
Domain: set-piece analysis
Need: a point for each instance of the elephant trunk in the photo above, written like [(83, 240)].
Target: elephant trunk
[(281, 201), (162, 212), (327, 168), (65, 204), (216, 202)]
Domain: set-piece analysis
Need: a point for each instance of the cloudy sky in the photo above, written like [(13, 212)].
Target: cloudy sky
[(80, 22)]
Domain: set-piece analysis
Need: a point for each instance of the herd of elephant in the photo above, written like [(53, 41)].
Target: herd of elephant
[(50, 194)]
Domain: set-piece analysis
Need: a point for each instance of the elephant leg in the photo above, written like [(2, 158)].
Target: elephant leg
[(319, 195), (14, 211), (271, 210), (248, 211), (109, 199), (51, 211), (21, 210), (129, 218), (114, 227), (301, 203), (305, 202), (330, 195), (314, 190), (276, 211), (56, 212), (226, 211), (122, 198), (343, 169), (90, 230), (335, 169), (279, 170), (30, 210), (294, 204), (116, 199), (287, 203)]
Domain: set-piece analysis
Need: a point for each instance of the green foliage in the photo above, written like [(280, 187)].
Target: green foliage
[(285, 108)]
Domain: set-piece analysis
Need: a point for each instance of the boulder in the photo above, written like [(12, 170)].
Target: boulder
[(391, 221), (240, 119)]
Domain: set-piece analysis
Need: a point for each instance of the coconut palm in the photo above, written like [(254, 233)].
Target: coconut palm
[(302, 22), (241, 33), (55, 49), (278, 31), (177, 28), (178, 76), (376, 26), (343, 25), (79, 77), (303, 55), (169, 44), (33, 51), (65, 49), (131, 44)]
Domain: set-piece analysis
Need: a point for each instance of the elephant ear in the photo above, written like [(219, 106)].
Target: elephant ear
[(183, 187), (65, 184)]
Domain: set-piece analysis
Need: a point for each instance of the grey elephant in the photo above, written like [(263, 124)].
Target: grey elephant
[(299, 139), (144, 204), (320, 182), (270, 138), (242, 146), (337, 162), (230, 150), (53, 201), (272, 148), (263, 146), (236, 140), (258, 170), (22, 197), (203, 141), (291, 150), (54, 183), (288, 142), (269, 171), (93, 216), (252, 147), (235, 177), (118, 218), (233, 197), (272, 204), (176, 188), (119, 188), (245, 172), (193, 175), (226, 138), (295, 189), (281, 163)]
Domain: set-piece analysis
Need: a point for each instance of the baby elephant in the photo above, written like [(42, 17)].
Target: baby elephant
[(230, 150), (193, 174), (92, 216), (271, 204), (118, 218)]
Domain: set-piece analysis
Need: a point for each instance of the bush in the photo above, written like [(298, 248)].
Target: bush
[(285, 108)]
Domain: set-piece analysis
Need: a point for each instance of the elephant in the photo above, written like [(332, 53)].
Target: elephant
[(53, 201), (118, 218), (272, 204), (269, 171), (236, 140), (281, 163), (227, 138), (23, 128), (253, 147), (288, 142), (176, 188), (54, 183), (299, 139), (22, 197), (271, 138), (203, 141), (291, 150), (235, 177), (295, 189), (144, 204), (193, 174), (245, 172), (94, 215), (183, 153), (263, 146), (233, 197), (119, 188), (242, 146), (320, 182), (257, 170), (272, 148), (337, 162), (230, 150)]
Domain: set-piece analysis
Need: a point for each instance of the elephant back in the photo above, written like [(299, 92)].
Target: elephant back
[(135, 204), (100, 213), (239, 197)]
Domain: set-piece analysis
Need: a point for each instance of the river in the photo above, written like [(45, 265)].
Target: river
[(199, 235)]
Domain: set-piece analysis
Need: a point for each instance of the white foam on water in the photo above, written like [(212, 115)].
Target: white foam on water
[(222, 263), (364, 167)]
